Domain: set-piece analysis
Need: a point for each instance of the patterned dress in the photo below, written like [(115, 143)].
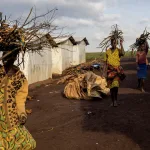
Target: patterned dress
[(13, 93), (114, 68)]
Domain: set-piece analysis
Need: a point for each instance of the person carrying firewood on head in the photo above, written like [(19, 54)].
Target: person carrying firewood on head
[(13, 94), (142, 47), (142, 62), (15, 40), (114, 71)]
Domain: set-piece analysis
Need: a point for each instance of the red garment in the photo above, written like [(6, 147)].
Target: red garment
[(141, 57), (115, 73)]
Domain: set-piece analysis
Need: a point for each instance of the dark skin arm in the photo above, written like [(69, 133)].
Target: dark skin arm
[(105, 66)]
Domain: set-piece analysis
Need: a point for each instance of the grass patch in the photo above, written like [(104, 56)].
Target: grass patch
[(92, 56), (98, 55)]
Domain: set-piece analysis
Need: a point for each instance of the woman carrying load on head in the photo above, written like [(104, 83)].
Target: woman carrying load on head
[(13, 94), (142, 47), (142, 62), (114, 70)]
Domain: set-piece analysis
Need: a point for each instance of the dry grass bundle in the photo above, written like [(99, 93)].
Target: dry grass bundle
[(115, 34), (142, 39)]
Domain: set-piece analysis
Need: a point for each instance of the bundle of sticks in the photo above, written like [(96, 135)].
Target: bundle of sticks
[(142, 39), (27, 36), (82, 68), (115, 34)]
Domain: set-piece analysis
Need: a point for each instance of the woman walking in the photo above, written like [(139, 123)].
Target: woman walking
[(142, 62), (114, 70), (142, 47), (13, 93), (113, 54)]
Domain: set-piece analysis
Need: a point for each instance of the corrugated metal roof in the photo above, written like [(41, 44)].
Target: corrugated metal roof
[(60, 40), (80, 39), (44, 37), (74, 40)]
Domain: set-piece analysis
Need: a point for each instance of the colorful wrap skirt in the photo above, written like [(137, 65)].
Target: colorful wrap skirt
[(17, 138), (114, 76), (142, 72)]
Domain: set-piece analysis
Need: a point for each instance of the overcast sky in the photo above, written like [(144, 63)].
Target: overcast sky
[(89, 18)]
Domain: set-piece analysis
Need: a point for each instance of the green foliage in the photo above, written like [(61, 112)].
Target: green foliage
[(92, 56)]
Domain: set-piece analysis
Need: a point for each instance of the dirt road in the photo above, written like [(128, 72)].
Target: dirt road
[(61, 124)]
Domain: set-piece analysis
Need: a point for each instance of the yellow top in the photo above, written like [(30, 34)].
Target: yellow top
[(113, 58)]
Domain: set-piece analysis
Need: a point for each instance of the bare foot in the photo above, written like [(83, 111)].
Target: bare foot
[(142, 90), (114, 104)]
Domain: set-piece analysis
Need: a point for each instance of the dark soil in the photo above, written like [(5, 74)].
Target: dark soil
[(58, 123)]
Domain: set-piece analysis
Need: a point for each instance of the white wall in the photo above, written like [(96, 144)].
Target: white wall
[(79, 54), (57, 58), (82, 53), (40, 67), (76, 59), (24, 67), (62, 57), (37, 68)]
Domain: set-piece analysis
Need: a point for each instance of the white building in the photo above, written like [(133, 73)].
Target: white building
[(79, 51), (38, 67), (62, 55)]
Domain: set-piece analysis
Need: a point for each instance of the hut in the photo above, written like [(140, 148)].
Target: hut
[(62, 55), (38, 67), (79, 50)]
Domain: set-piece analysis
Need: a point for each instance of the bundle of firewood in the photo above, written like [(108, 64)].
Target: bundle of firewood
[(82, 68), (116, 34), (144, 37), (27, 36)]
